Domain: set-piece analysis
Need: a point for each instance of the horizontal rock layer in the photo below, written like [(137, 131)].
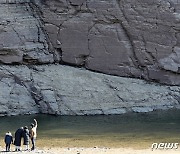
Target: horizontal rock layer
[(128, 38), (63, 90)]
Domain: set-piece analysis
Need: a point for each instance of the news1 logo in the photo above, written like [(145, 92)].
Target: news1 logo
[(164, 146)]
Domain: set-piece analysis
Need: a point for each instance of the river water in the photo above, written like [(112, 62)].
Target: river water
[(137, 130)]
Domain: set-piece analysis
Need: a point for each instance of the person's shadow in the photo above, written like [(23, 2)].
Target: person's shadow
[(4, 151)]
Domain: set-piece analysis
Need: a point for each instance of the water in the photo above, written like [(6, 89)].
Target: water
[(128, 130)]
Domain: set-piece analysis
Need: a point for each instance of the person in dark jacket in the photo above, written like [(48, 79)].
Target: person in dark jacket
[(8, 140), (18, 136), (26, 137)]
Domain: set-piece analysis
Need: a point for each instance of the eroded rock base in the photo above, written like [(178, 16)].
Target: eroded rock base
[(63, 90)]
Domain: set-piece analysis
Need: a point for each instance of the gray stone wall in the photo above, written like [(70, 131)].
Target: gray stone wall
[(22, 38), (120, 37), (63, 90), (127, 38)]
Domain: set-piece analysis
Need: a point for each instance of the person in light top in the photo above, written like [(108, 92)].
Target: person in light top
[(33, 133)]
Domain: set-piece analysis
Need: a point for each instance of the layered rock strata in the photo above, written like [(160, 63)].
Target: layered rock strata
[(121, 37), (64, 90), (130, 38), (22, 40)]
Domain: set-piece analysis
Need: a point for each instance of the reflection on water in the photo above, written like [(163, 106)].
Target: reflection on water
[(133, 130)]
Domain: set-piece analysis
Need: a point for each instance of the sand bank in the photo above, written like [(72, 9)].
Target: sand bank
[(95, 150)]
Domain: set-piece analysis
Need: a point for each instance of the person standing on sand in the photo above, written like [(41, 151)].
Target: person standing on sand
[(33, 133), (26, 136), (8, 140), (18, 137)]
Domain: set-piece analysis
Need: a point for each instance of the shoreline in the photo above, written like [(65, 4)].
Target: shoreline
[(97, 150)]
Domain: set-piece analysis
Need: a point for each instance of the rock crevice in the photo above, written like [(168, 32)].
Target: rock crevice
[(126, 38)]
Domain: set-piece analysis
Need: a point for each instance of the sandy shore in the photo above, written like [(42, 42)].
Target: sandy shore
[(93, 151)]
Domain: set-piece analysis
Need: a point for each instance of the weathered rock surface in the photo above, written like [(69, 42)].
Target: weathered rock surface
[(22, 39), (64, 90), (128, 38), (122, 37)]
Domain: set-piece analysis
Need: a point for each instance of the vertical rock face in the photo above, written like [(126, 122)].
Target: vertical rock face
[(121, 37), (126, 38), (130, 38), (22, 39)]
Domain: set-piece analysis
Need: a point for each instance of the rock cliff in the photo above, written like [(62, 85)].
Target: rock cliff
[(64, 90), (127, 38)]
